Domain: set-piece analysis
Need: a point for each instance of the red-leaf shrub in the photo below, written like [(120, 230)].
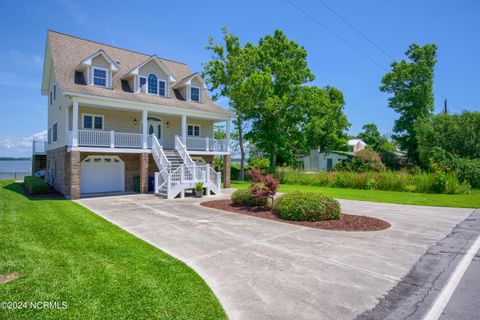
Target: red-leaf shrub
[(263, 187)]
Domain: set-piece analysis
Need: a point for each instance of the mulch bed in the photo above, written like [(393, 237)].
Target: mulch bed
[(347, 222)]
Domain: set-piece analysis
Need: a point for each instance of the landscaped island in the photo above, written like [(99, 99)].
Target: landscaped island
[(307, 209)]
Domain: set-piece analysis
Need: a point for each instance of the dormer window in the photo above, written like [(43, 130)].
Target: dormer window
[(195, 94), (162, 88), (142, 84), (152, 84), (99, 77)]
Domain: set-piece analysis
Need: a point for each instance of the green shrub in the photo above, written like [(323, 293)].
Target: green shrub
[(304, 206), (364, 161), (36, 186), (468, 170), (31, 178), (244, 197)]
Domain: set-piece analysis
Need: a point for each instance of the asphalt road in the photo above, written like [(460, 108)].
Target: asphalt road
[(465, 302), (413, 297)]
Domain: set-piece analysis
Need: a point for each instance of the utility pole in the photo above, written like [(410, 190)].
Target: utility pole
[(445, 108)]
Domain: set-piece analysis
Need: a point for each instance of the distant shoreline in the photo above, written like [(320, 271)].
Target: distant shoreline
[(13, 158)]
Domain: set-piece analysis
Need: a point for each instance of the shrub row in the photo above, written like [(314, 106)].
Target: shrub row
[(384, 180), (35, 185)]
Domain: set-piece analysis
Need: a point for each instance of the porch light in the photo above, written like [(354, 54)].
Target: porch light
[(168, 124), (135, 122)]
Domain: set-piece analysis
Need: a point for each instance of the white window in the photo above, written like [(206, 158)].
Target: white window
[(162, 88), (152, 84), (195, 94), (99, 77), (91, 121), (142, 83), (193, 130), (55, 132), (49, 135)]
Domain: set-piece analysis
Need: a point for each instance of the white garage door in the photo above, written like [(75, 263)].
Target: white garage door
[(102, 174)]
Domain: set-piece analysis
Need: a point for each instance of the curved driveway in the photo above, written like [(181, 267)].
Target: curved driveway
[(262, 269)]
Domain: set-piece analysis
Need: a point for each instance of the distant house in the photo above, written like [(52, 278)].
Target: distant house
[(325, 160), (356, 145)]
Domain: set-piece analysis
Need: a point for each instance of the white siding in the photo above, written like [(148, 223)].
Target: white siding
[(57, 112)]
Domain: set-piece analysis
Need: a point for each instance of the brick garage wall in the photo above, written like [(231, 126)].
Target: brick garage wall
[(132, 165), (56, 168)]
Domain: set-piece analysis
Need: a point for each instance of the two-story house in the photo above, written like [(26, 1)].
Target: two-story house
[(122, 121)]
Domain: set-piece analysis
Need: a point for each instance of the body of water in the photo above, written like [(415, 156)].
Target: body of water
[(15, 166)]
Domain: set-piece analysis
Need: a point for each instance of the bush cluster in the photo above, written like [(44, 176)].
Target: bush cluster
[(245, 198), (304, 206), (35, 185), (364, 161), (403, 180)]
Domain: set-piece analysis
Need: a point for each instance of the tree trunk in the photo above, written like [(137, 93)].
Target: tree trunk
[(273, 158), (241, 175)]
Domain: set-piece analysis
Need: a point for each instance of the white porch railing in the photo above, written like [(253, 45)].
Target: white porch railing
[(207, 144), (171, 183), (113, 139), (108, 139), (39, 147)]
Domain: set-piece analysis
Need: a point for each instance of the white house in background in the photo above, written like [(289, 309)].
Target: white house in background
[(119, 120), (319, 160), (356, 145)]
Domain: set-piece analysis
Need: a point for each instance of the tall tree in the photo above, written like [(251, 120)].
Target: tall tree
[(325, 122), (280, 69), (226, 73), (411, 86), (374, 139)]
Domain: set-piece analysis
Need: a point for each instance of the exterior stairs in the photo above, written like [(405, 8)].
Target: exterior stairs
[(178, 172)]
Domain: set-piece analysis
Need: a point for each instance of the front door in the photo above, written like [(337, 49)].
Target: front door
[(154, 126)]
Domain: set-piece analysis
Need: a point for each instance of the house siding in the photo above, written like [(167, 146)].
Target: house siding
[(57, 112)]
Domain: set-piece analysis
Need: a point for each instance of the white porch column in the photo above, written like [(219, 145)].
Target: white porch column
[(144, 128), (227, 134), (184, 130), (75, 124)]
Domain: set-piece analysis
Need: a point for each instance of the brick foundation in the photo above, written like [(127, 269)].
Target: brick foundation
[(74, 175), (226, 171), (56, 168), (144, 159)]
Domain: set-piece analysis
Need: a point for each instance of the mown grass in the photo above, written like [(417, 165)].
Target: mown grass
[(66, 253), (423, 199)]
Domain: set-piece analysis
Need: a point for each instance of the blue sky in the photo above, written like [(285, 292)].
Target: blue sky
[(180, 31)]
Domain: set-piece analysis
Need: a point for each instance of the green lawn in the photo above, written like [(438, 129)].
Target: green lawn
[(66, 253), (422, 199)]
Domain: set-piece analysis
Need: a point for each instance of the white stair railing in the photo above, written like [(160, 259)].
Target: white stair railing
[(171, 183)]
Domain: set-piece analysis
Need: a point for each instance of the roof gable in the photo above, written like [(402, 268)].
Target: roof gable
[(188, 81), (88, 61), (163, 67)]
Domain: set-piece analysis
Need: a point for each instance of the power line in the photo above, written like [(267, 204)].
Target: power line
[(365, 37), (355, 29), (337, 35)]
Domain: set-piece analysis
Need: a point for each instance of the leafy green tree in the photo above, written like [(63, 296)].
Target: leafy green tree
[(325, 122), (374, 139), (226, 73), (411, 86), (457, 134), (280, 69)]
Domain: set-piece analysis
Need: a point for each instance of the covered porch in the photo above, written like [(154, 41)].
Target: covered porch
[(93, 127)]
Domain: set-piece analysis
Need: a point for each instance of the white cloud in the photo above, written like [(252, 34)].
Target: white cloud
[(20, 146)]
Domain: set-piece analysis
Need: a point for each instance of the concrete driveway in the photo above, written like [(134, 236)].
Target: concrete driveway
[(262, 269)]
